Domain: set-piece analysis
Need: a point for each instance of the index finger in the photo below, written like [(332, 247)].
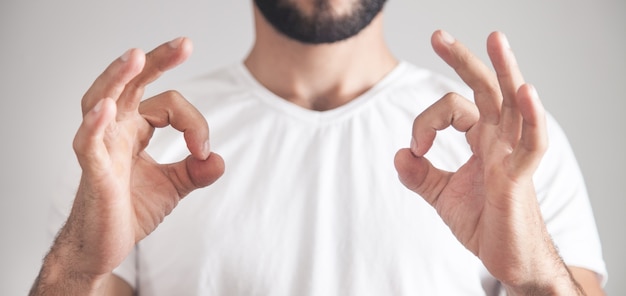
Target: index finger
[(473, 72), (451, 110), (171, 108)]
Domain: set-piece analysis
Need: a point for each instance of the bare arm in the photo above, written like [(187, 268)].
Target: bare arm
[(123, 193), (110, 285)]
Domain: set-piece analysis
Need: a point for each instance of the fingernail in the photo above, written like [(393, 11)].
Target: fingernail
[(414, 147), (125, 56), (206, 148), (533, 91), (505, 41), (447, 38), (176, 42)]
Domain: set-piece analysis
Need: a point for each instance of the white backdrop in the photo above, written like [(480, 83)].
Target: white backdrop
[(572, 50)]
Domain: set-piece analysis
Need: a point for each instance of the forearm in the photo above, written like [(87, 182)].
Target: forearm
[(58, 276), (62, 272), (551, 278), (557, 286), (55, 279)]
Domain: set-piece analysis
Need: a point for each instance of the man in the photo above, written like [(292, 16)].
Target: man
[(310, 128)]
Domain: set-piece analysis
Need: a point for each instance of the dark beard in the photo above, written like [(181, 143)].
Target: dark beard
[(322, 26)]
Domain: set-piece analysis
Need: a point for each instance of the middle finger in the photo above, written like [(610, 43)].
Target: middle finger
[(510, 79), (474, 72), (159, 60)]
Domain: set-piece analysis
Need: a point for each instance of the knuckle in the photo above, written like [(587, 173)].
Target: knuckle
[(456, 103), (79, 145), (173, 94), (173, 98), (452, 99), (167, 100), (452, 109)]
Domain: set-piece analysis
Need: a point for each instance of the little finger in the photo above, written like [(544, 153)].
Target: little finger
[(534, 139), (112, 81)]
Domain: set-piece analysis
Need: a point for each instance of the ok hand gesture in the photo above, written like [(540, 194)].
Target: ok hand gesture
[(124, 194), (489, 203)]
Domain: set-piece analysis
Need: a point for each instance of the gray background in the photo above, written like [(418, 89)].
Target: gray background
[(572, 50)]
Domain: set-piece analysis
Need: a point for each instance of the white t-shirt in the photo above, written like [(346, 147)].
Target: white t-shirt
[(310, 202)]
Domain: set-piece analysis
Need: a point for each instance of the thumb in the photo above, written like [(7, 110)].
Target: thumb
[(420, 176), (193, 173)]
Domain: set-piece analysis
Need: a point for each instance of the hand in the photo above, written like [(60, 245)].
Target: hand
[(124, 194), (489, 203)]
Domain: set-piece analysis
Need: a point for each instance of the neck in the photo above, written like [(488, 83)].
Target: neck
[(319, 77)]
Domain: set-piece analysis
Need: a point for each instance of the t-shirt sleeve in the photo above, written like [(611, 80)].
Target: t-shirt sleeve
[(565, 205)]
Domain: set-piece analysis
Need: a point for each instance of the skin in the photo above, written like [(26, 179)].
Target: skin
[(319, 77), (123, 193), (489, 203)]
